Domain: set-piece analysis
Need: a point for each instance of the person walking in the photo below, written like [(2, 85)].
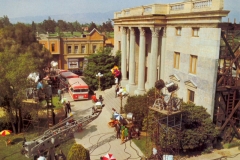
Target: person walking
[(69, 110)]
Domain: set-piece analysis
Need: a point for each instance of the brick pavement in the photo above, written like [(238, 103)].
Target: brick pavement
[(98, 137)]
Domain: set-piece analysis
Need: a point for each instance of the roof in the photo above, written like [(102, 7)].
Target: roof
[(69, 75), (77, 83)]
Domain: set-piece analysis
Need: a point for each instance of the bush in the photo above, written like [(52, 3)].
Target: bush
[(77, 152)]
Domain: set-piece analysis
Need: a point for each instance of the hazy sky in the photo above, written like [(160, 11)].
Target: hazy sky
[(23, 8)]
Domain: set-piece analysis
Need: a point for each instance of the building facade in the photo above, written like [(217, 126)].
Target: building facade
[(71, 52), (177, 42)]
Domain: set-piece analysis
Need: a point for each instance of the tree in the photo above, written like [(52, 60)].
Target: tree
[(49, 25), (20, 54), (92, 26), (77, 152), (102, 62)]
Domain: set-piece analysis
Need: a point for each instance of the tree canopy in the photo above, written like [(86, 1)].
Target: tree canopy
[(20, 55), (101, 62)]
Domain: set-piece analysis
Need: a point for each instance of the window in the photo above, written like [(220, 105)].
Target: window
[(75, 49), (83, 49), (176, 60), (178, 31), (119, 29), (94, 48), (69, 49), (72, 65), (53, 47), (195, 32), (190, 95), (193, 64)]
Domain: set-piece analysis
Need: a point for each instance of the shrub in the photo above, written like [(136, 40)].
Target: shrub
[(77, 152)]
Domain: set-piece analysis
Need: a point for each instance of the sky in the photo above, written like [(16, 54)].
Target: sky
[(23, 8)]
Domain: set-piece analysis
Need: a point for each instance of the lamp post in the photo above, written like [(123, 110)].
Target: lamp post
[(99, 75), (121, 108)]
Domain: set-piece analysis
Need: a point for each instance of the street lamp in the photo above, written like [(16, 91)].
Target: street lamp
[(122, 94), (99, 75)]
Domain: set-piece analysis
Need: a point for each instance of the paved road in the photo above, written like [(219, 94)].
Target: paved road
[(98, 137)]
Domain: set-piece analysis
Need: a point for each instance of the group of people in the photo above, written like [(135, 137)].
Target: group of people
[(122, 132)]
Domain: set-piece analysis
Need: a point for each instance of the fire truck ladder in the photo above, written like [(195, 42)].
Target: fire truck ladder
[(57, 134)]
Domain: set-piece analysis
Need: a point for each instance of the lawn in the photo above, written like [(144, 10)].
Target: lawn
[(141, 143)]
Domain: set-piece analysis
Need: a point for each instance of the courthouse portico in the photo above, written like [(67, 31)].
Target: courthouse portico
[(171, 42)]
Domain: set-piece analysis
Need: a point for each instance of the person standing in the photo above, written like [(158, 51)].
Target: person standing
[(116, 90), (59, 94), (94, 98), (69, 110), (53, 116), (118, 130), (66, 109)]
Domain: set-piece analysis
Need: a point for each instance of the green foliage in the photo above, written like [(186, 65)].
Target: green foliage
[(20, 55), (198, 130), (77, 152), (138, 105), (101, 62)]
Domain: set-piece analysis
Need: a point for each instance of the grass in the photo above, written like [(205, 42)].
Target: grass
[(141, 144)]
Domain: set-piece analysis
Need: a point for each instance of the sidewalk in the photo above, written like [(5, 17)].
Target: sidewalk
[(98, 137)]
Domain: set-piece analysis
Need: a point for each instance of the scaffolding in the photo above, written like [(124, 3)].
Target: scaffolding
[(227, 104)]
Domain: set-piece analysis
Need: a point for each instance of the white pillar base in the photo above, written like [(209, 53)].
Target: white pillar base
[(123, 82), (131, 88)]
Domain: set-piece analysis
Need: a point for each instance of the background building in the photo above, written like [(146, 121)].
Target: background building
[(71, 52), (177, 42)]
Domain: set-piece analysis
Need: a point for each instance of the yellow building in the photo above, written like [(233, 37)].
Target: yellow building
[(71, 52)]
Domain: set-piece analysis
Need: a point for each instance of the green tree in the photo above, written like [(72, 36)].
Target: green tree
[(20, 54), (102, 62), (91, 26), (77, 152)]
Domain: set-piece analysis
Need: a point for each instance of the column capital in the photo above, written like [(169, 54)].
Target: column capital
[(124, 30), (155, 31), (132, 30), (142, 31)]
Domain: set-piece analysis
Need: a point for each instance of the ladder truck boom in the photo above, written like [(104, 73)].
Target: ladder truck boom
[(59, 133)]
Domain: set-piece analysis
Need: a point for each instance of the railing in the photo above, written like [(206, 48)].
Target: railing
[(177, 7), (202, 4), (148, 9)]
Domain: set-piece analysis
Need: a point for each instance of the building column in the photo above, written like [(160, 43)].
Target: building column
[(142, 59), (162, 76), (124, 53), (153, 58), (132, 57)]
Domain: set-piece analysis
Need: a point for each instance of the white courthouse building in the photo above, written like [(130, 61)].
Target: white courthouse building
[(177, 42)]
